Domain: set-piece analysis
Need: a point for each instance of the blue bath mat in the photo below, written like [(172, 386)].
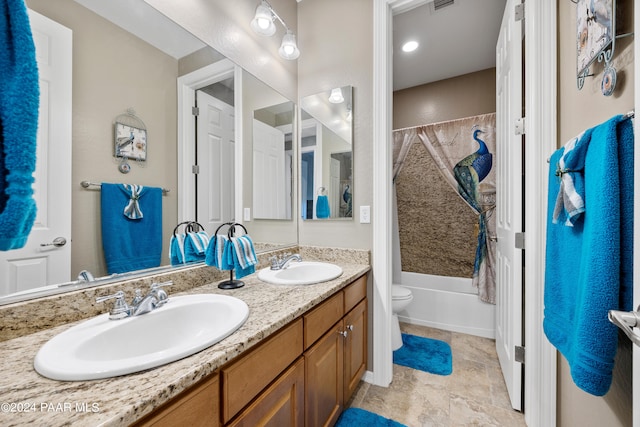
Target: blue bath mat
[(424, 354), (355, 417)]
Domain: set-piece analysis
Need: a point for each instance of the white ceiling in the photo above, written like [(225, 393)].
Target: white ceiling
[(455, 40)]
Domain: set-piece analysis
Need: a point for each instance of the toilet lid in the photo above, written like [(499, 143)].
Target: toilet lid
[(400, 292)]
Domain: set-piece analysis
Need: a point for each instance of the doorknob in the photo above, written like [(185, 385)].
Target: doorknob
[(626, 320), (57, 242)]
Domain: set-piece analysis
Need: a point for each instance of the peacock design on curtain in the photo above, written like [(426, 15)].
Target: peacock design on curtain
[(469, 173)]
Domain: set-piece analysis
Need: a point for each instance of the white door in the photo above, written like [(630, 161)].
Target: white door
[(509, 201), (215, 159), (269, 183), (35, 265), (334, 188)]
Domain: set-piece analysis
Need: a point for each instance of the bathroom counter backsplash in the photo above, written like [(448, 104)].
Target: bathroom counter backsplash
[(27, 317), (29, 398)]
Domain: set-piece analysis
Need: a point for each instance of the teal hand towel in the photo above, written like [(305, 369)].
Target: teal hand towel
[(131, 244), (322, 207), (19, 101)]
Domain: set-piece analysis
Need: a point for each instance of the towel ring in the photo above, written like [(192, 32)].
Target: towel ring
[(191, 226), (232, 228)]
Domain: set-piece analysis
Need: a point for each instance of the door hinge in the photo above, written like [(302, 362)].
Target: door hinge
[(519, 14), (195, 169), (519, 243), (195, 111), (520, 126), (519, 354)]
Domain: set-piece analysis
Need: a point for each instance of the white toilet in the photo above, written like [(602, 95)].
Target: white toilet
[(401, 297)]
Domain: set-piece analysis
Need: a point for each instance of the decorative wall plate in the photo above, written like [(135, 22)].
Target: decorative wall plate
[(130, 142)]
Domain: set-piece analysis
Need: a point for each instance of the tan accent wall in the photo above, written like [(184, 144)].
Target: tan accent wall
[(112, 71), (578, 110), (336, 44), (438, 230)]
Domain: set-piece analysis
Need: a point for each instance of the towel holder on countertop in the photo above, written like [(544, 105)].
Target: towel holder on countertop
[(87, 184), (231, 283)]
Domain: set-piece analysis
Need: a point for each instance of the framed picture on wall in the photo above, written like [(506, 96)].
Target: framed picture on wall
[(595, 31), (130, 142)]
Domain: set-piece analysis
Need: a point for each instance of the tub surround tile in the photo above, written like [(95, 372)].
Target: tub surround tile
[(122, 400)]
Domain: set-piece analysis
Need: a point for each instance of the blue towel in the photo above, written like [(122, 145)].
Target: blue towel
[(19, 100), (176, 249), (131, 244), (570, 171), (214, 254), (241, 255), (322, 207), (588, 266), (195, 245)]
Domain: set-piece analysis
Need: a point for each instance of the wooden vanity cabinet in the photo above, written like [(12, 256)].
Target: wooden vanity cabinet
[(197, 407), (336, 361), (300, 376)]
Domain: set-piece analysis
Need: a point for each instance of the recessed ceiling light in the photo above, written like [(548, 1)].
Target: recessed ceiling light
[(410, 46)]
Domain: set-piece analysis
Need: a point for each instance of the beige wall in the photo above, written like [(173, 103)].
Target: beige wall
[(112, 71), (578, 110), (455, 98), (336, 44)]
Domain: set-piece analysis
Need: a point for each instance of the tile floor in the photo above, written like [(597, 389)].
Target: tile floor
[(473, 395)]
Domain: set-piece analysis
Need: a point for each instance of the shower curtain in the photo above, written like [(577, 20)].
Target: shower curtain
[(464, 151)]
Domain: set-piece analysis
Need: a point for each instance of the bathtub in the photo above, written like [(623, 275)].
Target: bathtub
[(448, 303)]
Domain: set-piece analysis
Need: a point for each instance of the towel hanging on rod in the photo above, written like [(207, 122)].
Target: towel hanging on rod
[(87, 184)]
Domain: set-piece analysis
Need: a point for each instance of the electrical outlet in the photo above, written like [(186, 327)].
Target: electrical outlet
[(247, 214), (365, 214)]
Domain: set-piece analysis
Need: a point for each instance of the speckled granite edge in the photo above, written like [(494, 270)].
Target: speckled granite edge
[(122, 400)]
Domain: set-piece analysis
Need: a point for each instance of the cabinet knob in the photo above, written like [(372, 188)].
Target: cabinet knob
[(343, 333), (350, 327)]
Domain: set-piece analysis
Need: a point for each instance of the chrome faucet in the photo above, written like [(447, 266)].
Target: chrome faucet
[(85, 276), (156, 298), (283, 262)]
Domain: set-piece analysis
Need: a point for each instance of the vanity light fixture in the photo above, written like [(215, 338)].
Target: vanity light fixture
[(336, 96), (263, 24)]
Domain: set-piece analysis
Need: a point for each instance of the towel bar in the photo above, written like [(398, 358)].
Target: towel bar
[(626, 320), (87, 184)]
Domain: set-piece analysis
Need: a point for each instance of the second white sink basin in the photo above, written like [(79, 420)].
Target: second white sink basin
[(301, 273), (103, 348)]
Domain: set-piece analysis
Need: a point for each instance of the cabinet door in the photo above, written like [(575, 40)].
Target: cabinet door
[(324, 379), (281, 405), (355, 349), (196, 407)]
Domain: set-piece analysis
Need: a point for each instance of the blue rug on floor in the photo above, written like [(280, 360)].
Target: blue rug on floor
[(424, 354), (355, 417)]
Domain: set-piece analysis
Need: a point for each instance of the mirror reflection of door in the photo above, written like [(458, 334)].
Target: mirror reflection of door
[(215, 184), (34, 265), (270, 190)]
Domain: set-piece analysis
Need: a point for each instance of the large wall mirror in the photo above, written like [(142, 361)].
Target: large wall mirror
[(114, 70), (326, 155)]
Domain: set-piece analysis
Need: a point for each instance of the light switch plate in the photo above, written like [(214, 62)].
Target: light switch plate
[(247, 214), (365, 214)]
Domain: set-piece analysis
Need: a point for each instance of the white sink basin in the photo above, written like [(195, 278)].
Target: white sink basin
[(301, 273), (103, 348)]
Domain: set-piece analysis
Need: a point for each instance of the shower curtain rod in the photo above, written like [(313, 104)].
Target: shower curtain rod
[(440, 122)]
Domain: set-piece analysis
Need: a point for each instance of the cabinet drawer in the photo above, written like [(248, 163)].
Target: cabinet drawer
[(321, 318), (354, 293), (245, 379)]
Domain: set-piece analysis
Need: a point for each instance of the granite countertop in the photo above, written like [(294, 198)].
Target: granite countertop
[(26, 398)]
